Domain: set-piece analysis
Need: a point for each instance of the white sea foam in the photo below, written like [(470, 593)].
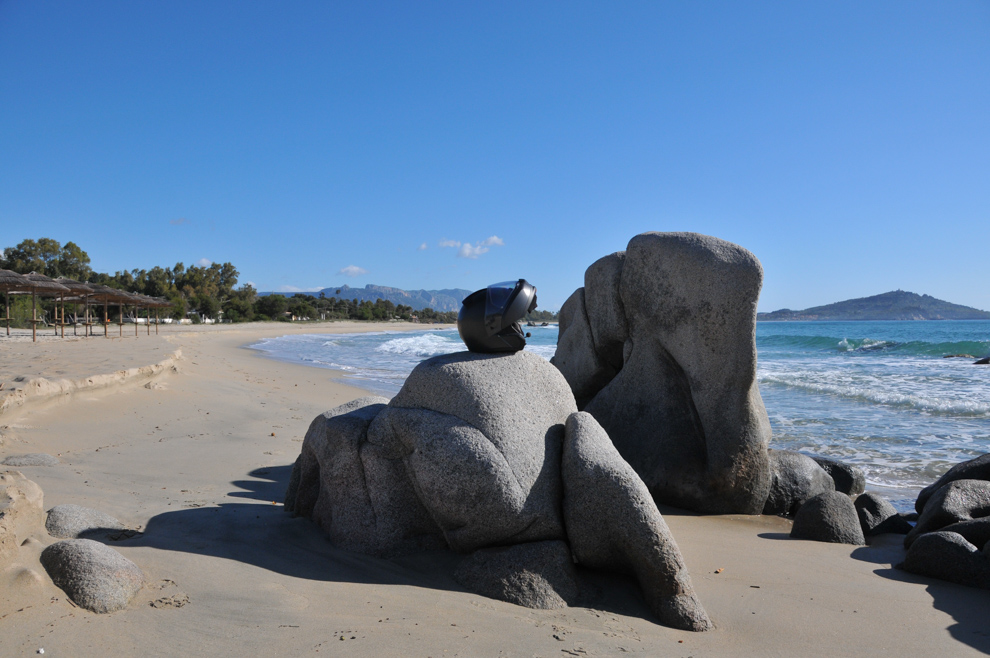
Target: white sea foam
[(421, 345)]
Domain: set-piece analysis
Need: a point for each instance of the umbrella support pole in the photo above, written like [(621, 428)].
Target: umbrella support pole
[(34, 319)]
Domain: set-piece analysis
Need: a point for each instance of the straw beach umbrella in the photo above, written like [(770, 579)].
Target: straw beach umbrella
[(11, 282), (108, 296), (41, 284), (77, 290)]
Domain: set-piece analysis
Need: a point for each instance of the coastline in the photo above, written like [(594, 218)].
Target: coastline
[(198, 459)]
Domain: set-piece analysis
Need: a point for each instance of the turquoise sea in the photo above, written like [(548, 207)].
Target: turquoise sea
[(876, 394)]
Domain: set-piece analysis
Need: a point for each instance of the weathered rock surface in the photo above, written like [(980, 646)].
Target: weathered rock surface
[(613, 524), (847, 478), (467, 455), (22, 513), (877, 515), (32, 459), (959, 500), (976, 531), (363, 500), (480, 438), (974, 469), (828, 517), (537, 575), (948, 556), (683, 407), (795, 478), (70, 521), (95, 576)]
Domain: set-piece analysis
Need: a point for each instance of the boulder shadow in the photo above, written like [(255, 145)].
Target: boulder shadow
[(968, 606), (262, 534)]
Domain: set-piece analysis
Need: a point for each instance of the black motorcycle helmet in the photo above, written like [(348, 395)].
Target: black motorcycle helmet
[(489, 318)]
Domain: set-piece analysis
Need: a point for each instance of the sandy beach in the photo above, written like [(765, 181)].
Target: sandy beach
[(189, 438)]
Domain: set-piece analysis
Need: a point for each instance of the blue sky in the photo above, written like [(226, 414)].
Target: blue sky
[(846, 144)]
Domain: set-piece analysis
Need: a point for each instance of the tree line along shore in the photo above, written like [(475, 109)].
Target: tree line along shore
[(196, 292)]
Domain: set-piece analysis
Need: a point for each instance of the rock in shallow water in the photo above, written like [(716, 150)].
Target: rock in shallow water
[(95, 576), (877, 515)]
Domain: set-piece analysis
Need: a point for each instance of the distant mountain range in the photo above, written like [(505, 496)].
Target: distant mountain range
[(896, 305), (438, 300)]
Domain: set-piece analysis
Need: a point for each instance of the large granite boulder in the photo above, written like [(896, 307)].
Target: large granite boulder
[(94, 575), (974, 469), (794, 478), (480, 437), (363, 500), (659, 346), (612, 523), (959, 500), (468, 456), (828, 517)]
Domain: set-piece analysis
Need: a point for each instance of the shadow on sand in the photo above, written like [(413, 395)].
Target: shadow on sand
[(259, 532), (966, 605)]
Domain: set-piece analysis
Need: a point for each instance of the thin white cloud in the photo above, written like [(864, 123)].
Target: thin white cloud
[(204, 262), (352, 270), (467, 251), (296, 289), (450, 243), (423, 247), (493, 241), (178, 222)]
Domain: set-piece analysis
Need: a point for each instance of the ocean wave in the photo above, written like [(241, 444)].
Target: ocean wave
[(866, 344), (875, 392), (424, 345)]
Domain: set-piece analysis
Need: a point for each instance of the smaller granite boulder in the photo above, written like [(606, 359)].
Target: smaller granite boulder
[(537, 575), (948, 556), (94, 576), (959, 500), (71, 521), (878, 516), (795, 478), (828, 517), (613, 524), (974, 469), (33, 459), (847, 478)]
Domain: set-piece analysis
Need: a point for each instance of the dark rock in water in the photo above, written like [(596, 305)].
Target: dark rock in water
[(848, 479), (613, 524), (659, 347), (982, 362), (977, 468), (877, 516), (33, 459), (976, 532), (948, 556), (95, 576), (795, 478), (960, 500), (65, 521), (537, 575), (828, 517)]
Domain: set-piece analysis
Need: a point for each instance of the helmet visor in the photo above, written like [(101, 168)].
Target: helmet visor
[(497, 300)]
